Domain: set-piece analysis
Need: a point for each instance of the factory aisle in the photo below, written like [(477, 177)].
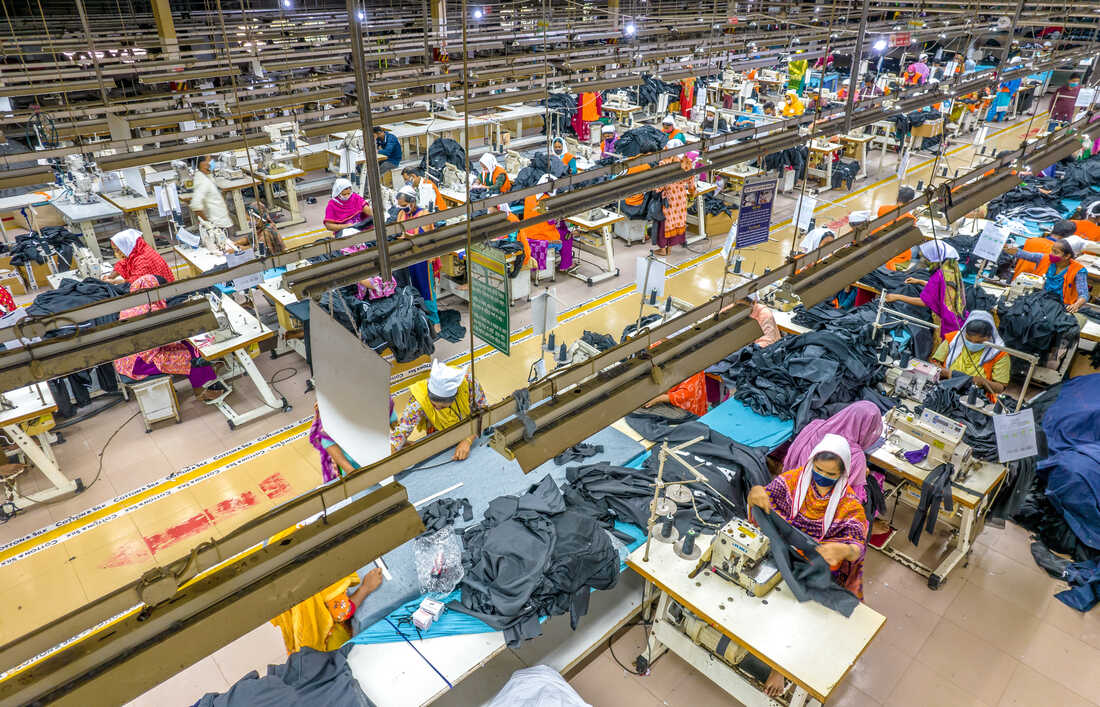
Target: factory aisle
[(155, 499)]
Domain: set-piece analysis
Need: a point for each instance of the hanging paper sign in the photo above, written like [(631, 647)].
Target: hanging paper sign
[(991, 242), (1015, 434), (754, 217)]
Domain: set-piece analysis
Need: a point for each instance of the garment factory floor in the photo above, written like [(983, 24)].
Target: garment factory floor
[(276, 460)]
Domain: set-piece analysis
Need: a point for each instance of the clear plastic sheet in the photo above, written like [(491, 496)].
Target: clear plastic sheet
[(438, 559)]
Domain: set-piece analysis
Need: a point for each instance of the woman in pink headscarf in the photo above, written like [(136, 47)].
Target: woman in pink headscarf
[(860, 423)]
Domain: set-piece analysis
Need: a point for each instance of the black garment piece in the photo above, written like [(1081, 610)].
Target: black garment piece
[(76, 293), (946, 398), (562, 108), (35, 247), (646, 321), (807, 574), (1036, 323), (522, 396), (307, 678), (450, 325), (578, 452), (642, 139), (440, 152), (876, 499), (399, 321), (601, 342), (713, 206), (80, 383), (654, 422), (935, 490), (533, 557), (300, 311), (652, 88), (844, 174), (858, 320), (1027, 194), (1045, 558), (442, 512)]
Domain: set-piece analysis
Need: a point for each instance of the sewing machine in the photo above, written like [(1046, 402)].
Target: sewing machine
[(943, 436), (588, 152), (913, 382), (739, 553), (617, 101), (225, 330), (1024, 283), (514, 162), (781, 297), (80, 179), (286, 136), (214, 238), (87, 264), (453, 179)]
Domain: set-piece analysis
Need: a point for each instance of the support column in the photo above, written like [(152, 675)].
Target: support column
[(439, 22), (166, 29)]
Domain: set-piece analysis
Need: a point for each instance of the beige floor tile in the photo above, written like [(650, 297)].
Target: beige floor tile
[(185, 687), (850, 696), (104, 568), (99, 493), (908, 623), (1026, 585), (41, 599), (697, 690), (1028, 687), (920, 686), (665, 675), (879, 669), (912, 585), (970, 662), (255, 650), (602, 683), (39, 563), (997, 620), (1064, 659)]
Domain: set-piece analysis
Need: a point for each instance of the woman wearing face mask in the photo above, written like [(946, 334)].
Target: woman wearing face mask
[(970, 354), (1063, 275), (818, 500), (943, 292), (557, 148), (422, 276), (346, 207), (1063, 105)]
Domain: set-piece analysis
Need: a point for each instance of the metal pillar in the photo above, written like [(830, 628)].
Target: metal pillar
[(370, 154)]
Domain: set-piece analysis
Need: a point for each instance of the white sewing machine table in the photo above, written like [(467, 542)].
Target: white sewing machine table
[(234, 352), (972, 498), (82, 216), (700, 217), (30, 402), (776, 628), (594, 238)]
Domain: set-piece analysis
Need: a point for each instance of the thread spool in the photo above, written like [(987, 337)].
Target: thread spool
[(972, 396), (903, 361), (668, 304), (737, 265), (667, 527), (652, 298), (550, 343), (563, 354), (688, 545)]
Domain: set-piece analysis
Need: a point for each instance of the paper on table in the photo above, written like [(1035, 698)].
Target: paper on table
[(991, 242), (1015, 435), (239, 258), (131, 176), (655, 280)]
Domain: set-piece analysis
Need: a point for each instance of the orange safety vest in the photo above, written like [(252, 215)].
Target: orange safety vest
[(1087, 230), (636, 199), (440, 202), (1069, 288), (497, 172), (570, 161), (903, 257), (403, 215), (987, 367), (543, 231), (1032, 245)]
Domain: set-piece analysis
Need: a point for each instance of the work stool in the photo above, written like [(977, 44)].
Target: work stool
[(156, 398)]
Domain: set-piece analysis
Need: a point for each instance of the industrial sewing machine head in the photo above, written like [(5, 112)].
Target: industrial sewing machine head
[(1025, 283), (914, 381), (781, 297), (87, 264), (225, 330), (739, 553), (943, 436), (587, 151), (81, 177), (453, 179), (212, 237), (514, 162)]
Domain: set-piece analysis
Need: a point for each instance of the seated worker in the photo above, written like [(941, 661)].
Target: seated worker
[(792, 105), (347, 207), (1064, 276), (943, 292), (543, 231), (323, 622), (557, 148), (492, 175), (136, 259), (905, 195), (607, 140), (335, 462), (1089, 227), (769, 108), (427, 192), (815, 238), (388, 146), (1042, 245), (989, 368), (668, 127), (712, 123), (860, 424), (438, 403), (179, 358), (818, 500)]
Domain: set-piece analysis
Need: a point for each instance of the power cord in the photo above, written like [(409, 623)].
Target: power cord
[(649, 653)]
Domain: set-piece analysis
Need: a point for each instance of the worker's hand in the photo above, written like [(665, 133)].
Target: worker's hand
[(1072, 307), (463, 449), (980, 381), (835, 553), (758, 497), (662, 398), (1011, 248), (372, 580), (891, 298), (914, 281)]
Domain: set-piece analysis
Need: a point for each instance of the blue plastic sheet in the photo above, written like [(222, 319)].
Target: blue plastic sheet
[(737, 421)]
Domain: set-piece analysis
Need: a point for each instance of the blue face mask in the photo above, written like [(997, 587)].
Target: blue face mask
[(824, 481), (973, 347)]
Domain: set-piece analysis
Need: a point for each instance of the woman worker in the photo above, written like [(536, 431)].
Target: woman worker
[(1042, 244), (322, 622), (136, 258), (346, 208), (672, 230), (180, 358), (860, 424), (792, 105), (943, 292), (422, 275), (557, 148), (438, 403), (668, 127), (1063, 275), (543, 231), (989, 368), (818, 500), (493, 175)]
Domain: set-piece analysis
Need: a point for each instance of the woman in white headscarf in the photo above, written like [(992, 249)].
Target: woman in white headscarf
[(557, 148), (943, 291), (347, 207), (970, 354), (438, 403), (816, 238), (136, 258), (493, 175)]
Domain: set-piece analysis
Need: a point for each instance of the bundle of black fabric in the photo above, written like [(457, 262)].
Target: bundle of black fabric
[(803, 377), (1027, 195), (642, 139), (562, 106), (844, 174), (601, 342), (793, 157), (398, 322), (858, 320), (1036, 322), (1079, 178), (629, 329), (532, 557), (652, 88), (946, 398), (713, 206), (440, 152), (35, 247)]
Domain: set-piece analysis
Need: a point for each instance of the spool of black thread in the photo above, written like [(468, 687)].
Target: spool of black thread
[(689, 543), (972, 396), (668, 304), (737, 265), (550, 343), (652, 297), (666, 527), (563, 354)]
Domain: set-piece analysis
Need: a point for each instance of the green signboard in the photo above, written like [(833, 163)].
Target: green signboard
[(489, 297)]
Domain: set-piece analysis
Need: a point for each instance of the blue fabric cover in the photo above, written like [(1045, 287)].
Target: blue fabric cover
[(1072, 428), (737, 421)]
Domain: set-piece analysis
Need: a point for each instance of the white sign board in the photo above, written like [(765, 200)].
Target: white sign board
[(544, 312), (804, 211), (991, 242), (353, 389), (655, 282), (239, 258), (188, 238), (1085, 97), (1015, 435)]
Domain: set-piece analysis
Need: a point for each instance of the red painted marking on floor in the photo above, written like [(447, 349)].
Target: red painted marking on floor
[(192, 526), (275, 486), (129, 554), (229, 506)]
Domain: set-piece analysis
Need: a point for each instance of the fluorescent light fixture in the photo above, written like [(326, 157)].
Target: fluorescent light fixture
[(478, 14), (879, 45), (361, 15), (286, 3), (630, 29)]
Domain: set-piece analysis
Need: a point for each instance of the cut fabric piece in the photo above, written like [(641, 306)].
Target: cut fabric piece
[(935, 490)]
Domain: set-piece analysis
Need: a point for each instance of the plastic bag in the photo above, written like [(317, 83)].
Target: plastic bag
[(438, 559)]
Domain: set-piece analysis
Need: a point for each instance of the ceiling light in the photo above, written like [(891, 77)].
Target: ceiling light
[(630, 29), (286, 3), (879, 45), (361, 15), (478, 14)]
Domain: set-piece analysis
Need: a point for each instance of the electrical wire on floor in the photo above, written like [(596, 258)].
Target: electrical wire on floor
[(648, 651)]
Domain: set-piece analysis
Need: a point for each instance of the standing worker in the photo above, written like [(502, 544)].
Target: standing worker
[(439, 403), (207, 201), (943, 292)]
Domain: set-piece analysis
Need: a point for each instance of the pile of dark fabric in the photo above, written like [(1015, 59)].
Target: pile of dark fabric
[(805, 377), (1078, 179), (540, 164), (76, 293), (308, 677), (642, 139), (440, 152), (37, 247), (931, 144), (793, 157), (713, 206), (652, 88), (562, 106), (601, 162), (965, 247), (442, 512), (1027, 195), (844, 174), (946, 398), (629, 329), (398, 322), (904, 123), (917, 342), (1036, 322), (532, 557), (601, 342)]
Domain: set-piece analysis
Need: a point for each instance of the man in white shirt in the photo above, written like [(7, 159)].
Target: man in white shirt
[(207, 201)]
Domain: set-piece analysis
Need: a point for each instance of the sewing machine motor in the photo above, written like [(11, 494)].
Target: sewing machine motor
[(915, 381), (739, 553)]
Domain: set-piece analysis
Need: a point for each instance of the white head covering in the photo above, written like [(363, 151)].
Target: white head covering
[(668, 120), (839, 446), (126, 240), (543, 180), (674, 142), (937, 251), (408, 191), (1077, 243), (554, 146), (444, 380), (812, 240), (340, 185), (607, 129), (956, 346), (488, 162), (859, 217)]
